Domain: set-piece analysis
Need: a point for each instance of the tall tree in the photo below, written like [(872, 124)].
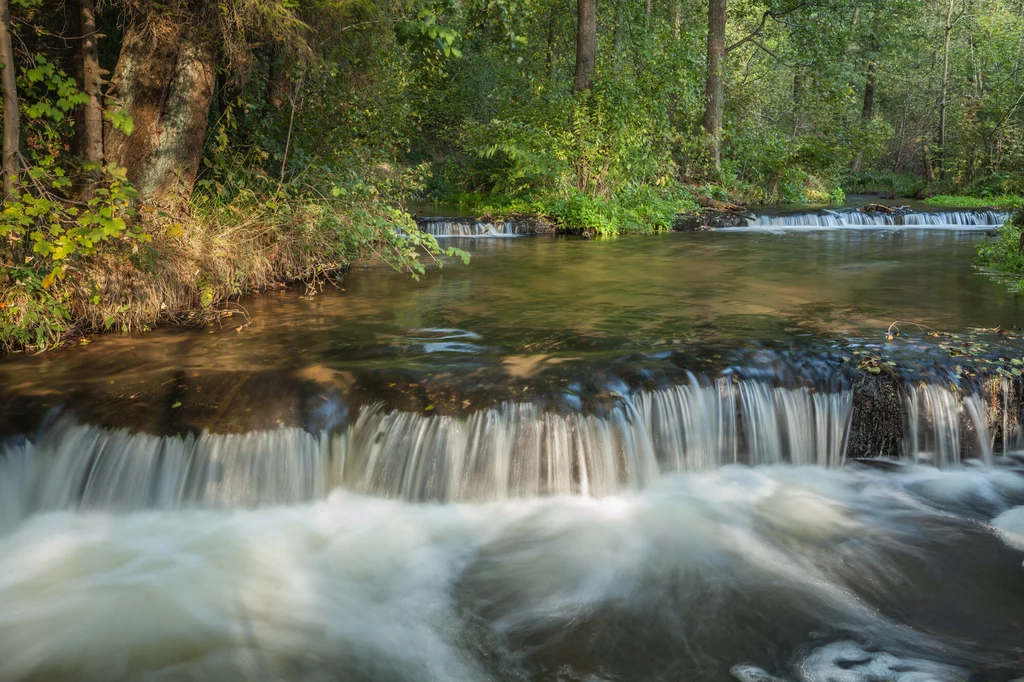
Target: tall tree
[(164, 80), (868, 109), (12, 124), (586, 43), (714, 89), (92, 117), (943, 101)]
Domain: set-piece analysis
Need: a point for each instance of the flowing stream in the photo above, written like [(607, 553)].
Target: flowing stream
[(655, 458)]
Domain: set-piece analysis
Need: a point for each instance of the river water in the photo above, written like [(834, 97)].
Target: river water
[(623, 459)]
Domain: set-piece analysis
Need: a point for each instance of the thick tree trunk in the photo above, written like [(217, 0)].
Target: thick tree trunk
[(714, 90), (92, 111), (945, 91), (586, 44), (165, 81), (12, 124)]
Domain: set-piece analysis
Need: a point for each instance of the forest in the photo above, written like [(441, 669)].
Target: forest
[(163, 157)]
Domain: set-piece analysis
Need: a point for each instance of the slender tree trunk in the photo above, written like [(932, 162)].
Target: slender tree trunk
[(12, 124), (868, 110), (165, 81), (945, 90), (714, 90), (549, 56), (279, 86), (586, 44), (92, 114), (648, 6), (677, 18)]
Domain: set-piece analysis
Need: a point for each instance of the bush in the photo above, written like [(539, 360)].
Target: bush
[(1002, 255)]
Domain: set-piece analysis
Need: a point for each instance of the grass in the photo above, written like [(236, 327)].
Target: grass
[(965, 201)]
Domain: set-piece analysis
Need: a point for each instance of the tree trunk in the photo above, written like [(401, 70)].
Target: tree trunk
[(279, 83), (92, 111), (586, 44), (868, 110), (677, 18), (12, 124), (165, 81), (648, 5), (714, 91), (945, 91)]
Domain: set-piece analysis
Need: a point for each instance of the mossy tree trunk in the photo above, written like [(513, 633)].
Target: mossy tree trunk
[(714, 89), (12, 123), (92, 77), (164, 80), (586, 44)]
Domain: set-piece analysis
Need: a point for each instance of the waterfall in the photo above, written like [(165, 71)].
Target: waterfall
[(512, 450), (936, 416), (465, 227), (852, 218)]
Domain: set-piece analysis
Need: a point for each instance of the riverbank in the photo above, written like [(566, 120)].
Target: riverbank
[(190, 268)]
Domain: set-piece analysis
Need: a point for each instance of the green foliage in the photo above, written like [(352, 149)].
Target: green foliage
[(884, 182), (964, 201), (1003, 255)]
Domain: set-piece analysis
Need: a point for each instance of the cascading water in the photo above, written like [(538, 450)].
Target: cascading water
[(456, 227), (710, 531), (936, 416), (514, 450), (855, 219)]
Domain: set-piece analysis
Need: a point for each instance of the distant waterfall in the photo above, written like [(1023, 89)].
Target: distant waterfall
[(854, 219), (468, 227)]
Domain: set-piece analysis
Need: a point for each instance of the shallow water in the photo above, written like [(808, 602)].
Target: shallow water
[(526, 306), (618, 460)]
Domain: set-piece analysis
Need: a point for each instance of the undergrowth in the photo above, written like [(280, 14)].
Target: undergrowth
[(1003, 255)]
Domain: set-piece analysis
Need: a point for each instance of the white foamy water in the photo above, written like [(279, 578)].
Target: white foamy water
[(463, 227), (514, 450), (356, 587), (855, 219)]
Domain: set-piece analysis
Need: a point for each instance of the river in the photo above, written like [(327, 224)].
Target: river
[(643, 458)]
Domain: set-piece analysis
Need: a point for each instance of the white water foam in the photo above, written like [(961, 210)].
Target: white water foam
[(356, 587), (469, 228), (852, 219)]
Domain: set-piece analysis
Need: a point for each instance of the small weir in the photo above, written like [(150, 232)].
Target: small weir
[(468, 227), (513, 450), (852, 218)]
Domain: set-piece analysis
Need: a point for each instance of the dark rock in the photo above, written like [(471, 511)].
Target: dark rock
[(877, 428), (709, 219)]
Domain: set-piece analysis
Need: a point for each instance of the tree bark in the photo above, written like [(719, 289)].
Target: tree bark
[(648, 6), (92, 76), (714, 90), (586, 44), (945, 90), (868, 110), (165, 81), (279, 82), (12, 123)]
